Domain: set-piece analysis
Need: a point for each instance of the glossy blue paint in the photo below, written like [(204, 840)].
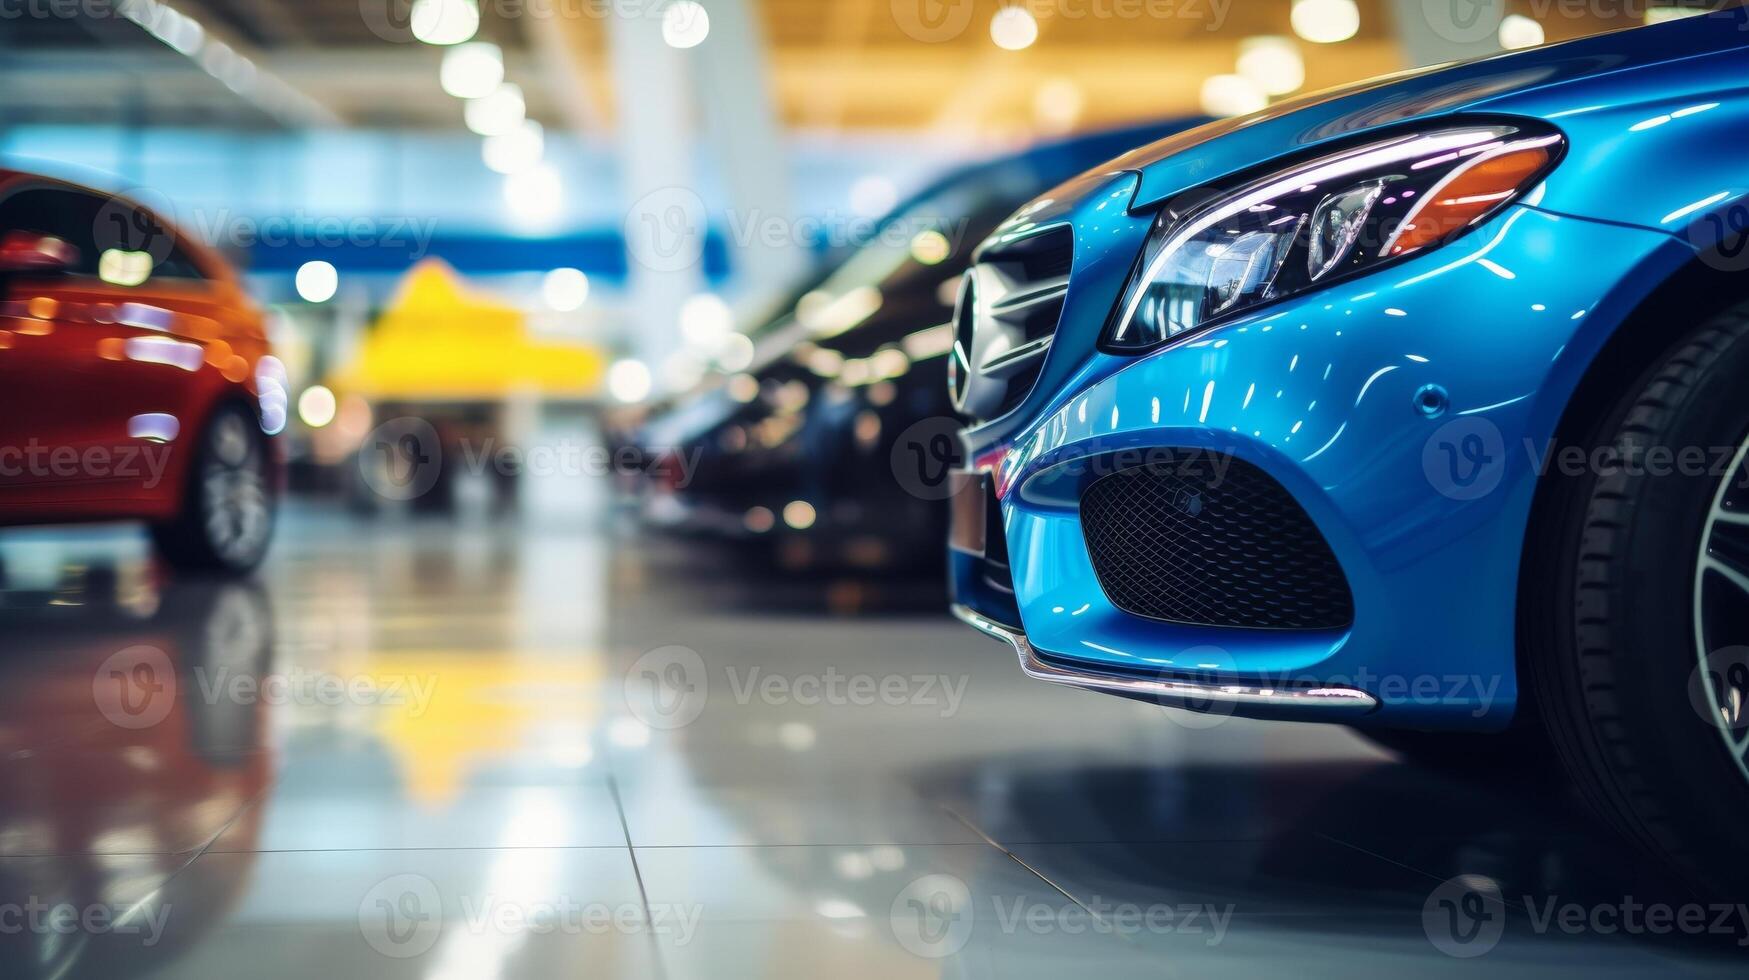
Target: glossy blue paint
[(1323, 391)]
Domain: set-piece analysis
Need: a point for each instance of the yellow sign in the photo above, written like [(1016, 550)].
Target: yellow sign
[(440, 341)]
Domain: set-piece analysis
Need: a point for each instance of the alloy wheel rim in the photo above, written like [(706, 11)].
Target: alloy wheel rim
[(234, 487), (1721, 611)]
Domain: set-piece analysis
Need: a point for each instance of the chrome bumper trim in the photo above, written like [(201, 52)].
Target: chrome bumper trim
[(1178, 693)]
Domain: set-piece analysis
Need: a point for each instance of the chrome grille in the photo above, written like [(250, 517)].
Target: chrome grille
[(1009, 304)]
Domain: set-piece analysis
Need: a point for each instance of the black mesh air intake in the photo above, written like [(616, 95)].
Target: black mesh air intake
[(1212, 541)]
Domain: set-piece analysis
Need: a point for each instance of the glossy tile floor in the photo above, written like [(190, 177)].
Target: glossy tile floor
[(533, 749)]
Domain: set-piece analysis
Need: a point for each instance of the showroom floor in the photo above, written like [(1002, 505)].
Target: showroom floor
[(414, 750)]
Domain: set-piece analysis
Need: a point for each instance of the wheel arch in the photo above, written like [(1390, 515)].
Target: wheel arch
[(1694, 290)]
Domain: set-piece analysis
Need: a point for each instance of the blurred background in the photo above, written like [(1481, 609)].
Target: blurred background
[(609, 347), (618, 199)]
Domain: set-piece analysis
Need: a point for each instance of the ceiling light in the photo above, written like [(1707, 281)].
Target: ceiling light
[(472, 70), (1325, 21), (444, 21), (685, 24), (1013, 28), (498, 111), (1519, 31)]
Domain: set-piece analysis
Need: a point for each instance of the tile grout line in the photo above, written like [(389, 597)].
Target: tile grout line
[(637, 873), (199, 852), (1059, 889), (1406, 867)]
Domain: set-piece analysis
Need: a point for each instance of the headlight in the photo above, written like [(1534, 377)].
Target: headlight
[(1318, 223)]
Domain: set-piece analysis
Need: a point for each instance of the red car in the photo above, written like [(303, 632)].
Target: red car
[(136, 381)]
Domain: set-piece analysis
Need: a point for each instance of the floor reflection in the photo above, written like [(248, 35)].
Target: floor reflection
[(416, 749), (121, 757)]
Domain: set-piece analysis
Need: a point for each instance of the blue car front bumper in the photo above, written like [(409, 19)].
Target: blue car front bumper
[(1408, 412)]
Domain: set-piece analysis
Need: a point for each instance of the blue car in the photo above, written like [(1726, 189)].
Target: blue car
[(1418, 406)]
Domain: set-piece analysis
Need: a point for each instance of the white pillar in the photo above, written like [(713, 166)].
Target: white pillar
[(746, 140), (665, 218)]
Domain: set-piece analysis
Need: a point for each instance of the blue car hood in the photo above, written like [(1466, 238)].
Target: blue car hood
[(1505, 83)]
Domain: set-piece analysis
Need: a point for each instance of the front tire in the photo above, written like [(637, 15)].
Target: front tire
[(1635, 608), (227, 514)]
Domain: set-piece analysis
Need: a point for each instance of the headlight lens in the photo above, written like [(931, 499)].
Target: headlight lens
[(1321, 222)]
